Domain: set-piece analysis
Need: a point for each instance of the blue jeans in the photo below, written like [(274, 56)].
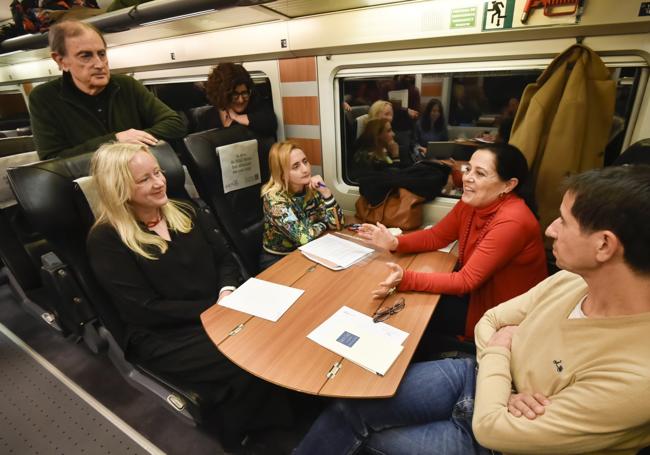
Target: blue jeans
[(431, 413)]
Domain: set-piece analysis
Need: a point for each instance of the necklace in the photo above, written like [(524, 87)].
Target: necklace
[(463, 244), (154, 222)]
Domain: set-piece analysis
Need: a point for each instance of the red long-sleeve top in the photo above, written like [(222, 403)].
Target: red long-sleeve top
[(508, 260)]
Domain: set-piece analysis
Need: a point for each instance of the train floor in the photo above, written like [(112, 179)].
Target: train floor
[(96, 376)]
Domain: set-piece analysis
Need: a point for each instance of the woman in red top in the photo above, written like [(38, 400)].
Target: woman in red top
[(500, 249)]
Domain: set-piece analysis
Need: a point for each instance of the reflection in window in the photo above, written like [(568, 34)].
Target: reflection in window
[(477, 105)]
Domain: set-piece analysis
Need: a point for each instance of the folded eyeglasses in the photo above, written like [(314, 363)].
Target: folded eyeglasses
[(384, 313)]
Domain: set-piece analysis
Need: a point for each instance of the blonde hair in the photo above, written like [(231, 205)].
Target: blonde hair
[(369, 139), (279, 163), (377, 109), (114, 182)]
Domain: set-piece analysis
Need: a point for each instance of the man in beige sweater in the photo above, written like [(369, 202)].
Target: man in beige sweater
[(564, 368)]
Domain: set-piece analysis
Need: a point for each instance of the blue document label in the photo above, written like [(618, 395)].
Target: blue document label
[(347, 338)]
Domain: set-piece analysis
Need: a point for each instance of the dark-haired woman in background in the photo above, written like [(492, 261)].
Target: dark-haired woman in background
[(230, 90), (432, 126), (500, 250)]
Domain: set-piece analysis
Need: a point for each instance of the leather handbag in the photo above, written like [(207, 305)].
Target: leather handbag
[(400, 208)]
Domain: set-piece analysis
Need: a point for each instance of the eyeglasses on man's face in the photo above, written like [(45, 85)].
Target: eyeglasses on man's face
[(246, 94), (384, 313)]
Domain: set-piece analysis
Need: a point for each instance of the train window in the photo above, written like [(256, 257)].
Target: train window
[(476, 104)]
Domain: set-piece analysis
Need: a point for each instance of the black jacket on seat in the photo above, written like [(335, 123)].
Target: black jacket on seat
[(425, 179)]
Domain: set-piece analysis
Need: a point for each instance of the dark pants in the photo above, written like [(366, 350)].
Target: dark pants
[(237, 402), (447, 322)]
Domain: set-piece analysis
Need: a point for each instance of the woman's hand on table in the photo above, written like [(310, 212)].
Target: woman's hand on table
[(378, 235), (389, 285)]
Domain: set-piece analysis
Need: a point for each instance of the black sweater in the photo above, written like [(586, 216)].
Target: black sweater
[(156, 296), (261, 118)]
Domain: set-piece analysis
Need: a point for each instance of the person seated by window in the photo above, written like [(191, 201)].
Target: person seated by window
[(500, 249), (298, 206), (162, 265), (562, 368), (403, 145), (432, 126), (375, 149), (381, 109), (231, 91)]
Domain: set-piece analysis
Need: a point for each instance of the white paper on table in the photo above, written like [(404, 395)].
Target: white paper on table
[(372, 346), (335, 250), (262, 299)]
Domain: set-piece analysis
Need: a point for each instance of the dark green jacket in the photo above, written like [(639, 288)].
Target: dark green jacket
[(63, 126)]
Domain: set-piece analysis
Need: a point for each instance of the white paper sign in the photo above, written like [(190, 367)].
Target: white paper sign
[(240, 165), (402, 96)]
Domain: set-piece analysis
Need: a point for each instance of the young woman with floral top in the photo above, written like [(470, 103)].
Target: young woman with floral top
[(298, 206)]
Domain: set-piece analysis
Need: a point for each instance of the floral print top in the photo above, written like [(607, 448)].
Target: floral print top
[(294, 220)]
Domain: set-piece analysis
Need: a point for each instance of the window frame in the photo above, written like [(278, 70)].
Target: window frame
[(358, 65)]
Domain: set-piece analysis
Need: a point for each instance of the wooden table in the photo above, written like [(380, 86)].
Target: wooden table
[(281, 353)]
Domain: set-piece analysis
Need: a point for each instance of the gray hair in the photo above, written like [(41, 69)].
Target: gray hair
[(68, 29)]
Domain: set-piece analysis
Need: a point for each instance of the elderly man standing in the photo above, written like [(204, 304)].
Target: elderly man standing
[(86, 106)]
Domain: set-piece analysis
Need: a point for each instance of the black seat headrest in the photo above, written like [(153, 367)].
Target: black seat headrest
[(240, 211), (637, 153), (45, 190), (16, 145), (202, 146)]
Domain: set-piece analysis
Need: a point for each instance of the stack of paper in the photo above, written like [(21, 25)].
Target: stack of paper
[(355, 336), (262, 299), (334, 252)]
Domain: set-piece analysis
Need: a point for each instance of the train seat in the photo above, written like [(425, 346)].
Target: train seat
[(21, 247), (239, 212), (361, 124), (54, 201), (194, 116), (351, 128), (16, 145), (637, 153), (36, 187)]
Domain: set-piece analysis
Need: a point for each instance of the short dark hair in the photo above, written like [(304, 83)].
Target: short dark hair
[(616, 199), (60, 31), (222, 82), (511, 163)]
